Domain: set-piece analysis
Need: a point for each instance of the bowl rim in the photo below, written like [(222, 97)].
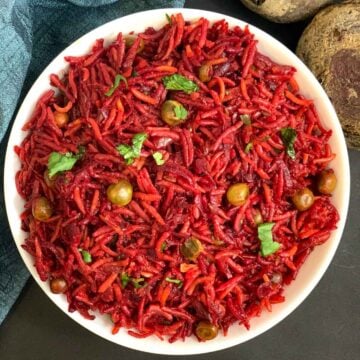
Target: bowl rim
[(190, 347)]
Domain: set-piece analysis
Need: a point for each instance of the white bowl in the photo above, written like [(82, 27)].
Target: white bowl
[(314, 267)]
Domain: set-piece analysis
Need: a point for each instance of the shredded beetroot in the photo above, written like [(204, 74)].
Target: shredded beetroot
[(137, 273)]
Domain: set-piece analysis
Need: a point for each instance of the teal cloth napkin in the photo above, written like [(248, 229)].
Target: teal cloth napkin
[(32, 33)]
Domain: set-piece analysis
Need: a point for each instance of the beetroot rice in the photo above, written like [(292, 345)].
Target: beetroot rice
[(230, 282)]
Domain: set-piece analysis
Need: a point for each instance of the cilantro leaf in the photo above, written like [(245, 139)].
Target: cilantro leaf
[(178, 282), (248, 147), (136, 282), (267, 245), (137, 141), (163, 246), (168, 18), (268, 248), (246, 119), (179, 82), (127, 152), (288, 136), (132, 152), (124, 279), (158, 157), (86, 256), (180, 112), (116, 84), (61, 162)]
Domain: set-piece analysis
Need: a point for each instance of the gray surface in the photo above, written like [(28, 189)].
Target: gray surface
[(325, 327)]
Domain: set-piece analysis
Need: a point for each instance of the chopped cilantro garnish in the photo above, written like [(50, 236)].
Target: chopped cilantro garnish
[(124, 279), (248, 147), (168, 18), (267, 245), (178, 282), (163, 246), (116, 84), (158, 157), (86, 256), (132, 152), (61, 162), (179, 82), (136, 282), (288, 136), (246, 119), (180, 112)]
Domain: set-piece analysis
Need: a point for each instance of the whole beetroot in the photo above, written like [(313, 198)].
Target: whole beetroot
[(330, 46), (286, 11)]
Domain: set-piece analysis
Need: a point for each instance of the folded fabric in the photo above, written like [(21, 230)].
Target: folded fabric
[(32, 33)]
